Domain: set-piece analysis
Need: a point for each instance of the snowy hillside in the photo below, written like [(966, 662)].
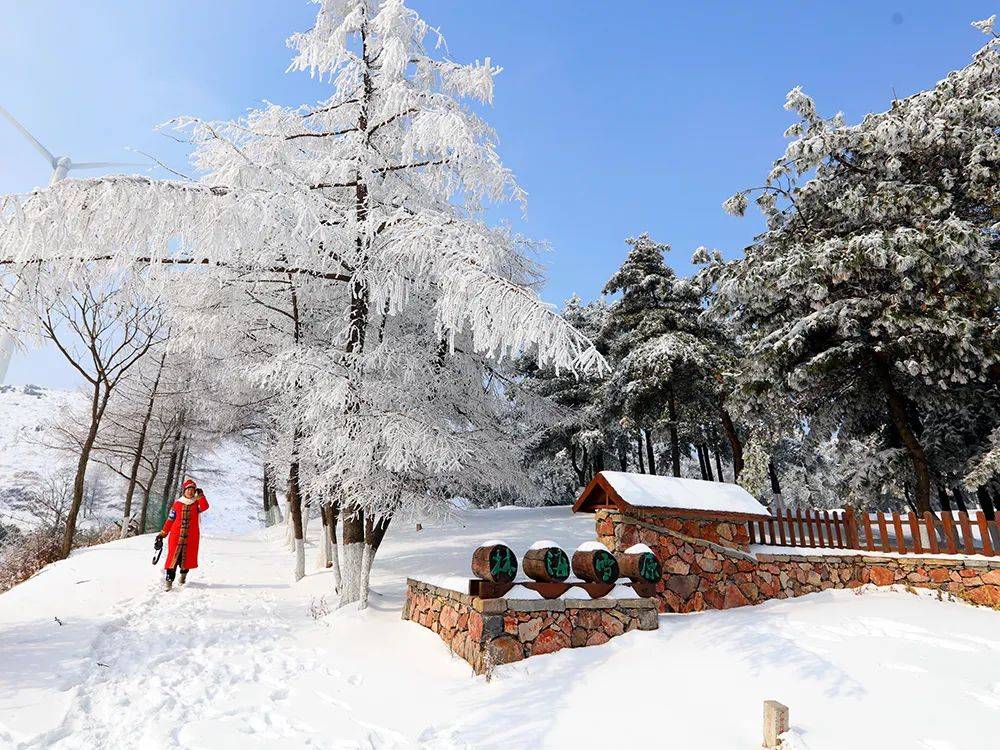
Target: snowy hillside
[(254, 669), (228, 473), (26, 416), (26, 413)]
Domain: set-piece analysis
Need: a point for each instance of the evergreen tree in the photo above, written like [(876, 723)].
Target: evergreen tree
[(875, 290), (665, 354)]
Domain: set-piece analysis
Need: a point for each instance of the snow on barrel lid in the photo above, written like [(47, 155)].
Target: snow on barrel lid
[(623, 490)]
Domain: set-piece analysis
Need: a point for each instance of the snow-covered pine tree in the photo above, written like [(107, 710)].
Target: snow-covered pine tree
[(875, 288), (667, 355)]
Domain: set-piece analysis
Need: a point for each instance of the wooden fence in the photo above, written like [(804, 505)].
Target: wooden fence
[(931, 533), (807, 528)]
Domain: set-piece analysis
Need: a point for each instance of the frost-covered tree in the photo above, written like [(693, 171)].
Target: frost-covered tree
[(574, 435), (369, 205), (875, 289)]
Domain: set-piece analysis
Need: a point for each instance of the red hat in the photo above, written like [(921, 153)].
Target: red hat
[(188, 483)]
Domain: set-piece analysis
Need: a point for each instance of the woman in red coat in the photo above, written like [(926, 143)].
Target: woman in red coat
[(182, 533)]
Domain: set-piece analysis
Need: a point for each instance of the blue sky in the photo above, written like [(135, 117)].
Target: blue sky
[(616, 118)]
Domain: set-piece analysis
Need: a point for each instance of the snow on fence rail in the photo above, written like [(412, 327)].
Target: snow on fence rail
[(950, 533)]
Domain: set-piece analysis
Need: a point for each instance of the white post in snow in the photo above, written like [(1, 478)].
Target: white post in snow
[(775, 723)]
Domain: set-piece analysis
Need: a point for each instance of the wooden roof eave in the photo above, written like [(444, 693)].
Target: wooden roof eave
[(582, 504)]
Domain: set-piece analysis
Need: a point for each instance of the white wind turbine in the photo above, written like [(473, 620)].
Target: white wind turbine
[(61, 166)]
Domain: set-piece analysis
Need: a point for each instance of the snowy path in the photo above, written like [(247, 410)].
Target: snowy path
[(199, 663), (235, 659), (230, 657)]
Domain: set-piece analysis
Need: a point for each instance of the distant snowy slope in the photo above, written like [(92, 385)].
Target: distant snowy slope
[(25, 415), (231, 478), (228, 472)]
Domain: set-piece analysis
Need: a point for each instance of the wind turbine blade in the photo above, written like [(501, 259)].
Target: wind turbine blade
[(103, 164), (34, 141)]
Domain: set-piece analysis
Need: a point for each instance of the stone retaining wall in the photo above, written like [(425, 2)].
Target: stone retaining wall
[(488, 632), (709, 566)]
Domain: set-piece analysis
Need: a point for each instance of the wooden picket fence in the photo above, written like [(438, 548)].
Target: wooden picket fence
[(931, 533), (807, 528)]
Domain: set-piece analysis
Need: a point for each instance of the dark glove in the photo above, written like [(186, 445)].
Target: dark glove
[(158, 544)]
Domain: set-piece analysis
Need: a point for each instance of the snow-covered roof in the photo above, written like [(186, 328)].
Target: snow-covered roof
[(623, 489)]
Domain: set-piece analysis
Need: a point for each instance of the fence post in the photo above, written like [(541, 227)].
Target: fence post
[(852, 528)]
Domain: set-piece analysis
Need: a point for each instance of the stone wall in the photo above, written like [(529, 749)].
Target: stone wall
[(707, 565), (488, 632)]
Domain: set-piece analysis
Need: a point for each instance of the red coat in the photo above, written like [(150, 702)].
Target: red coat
[(181, 529)]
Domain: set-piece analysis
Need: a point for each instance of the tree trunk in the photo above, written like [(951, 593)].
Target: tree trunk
[(306, 511), (352, 559), (650, 460), (334, 512), (718, 465), (959, 497), (622, 456), (581, 473), (701, 461), (266, 490), (182, 464), (985, 499), (99, 402), (943, 498), (374, 534), (295, 503), (735, 445), (275, 505), (779, 504), (985, 502), (897, 411), (675, 446), (147, 490), (139, 448), (638, 440), (289, 524), (325, 554), (708, 462), (168, 480)]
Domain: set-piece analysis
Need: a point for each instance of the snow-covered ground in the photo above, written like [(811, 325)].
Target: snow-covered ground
[(236, 659)]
